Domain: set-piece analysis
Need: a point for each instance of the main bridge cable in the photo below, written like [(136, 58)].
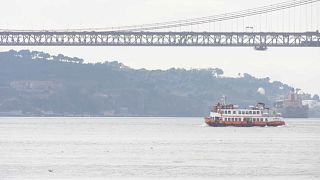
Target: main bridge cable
[(223, 17), (194, 21), (201, 20)]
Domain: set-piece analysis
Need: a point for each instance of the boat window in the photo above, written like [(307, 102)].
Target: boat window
[(243, 112), (232, 119), (216, 118), (266, 119), (239, 112), (234, 112), (250, 112), (258, 112), (229, 112), (247, 112), (254, 112)]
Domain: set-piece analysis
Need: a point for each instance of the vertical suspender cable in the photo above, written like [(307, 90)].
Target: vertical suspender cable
[(300, 16), (243, 24), (266, 28), (289, 19), (260, 22), (317, 15), (282, 13), (311, 17), (306, 16), (294, 19)]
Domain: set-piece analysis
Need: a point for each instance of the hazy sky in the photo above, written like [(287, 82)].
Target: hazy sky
[(299, 67)]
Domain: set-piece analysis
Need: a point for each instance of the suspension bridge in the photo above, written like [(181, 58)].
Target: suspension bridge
[(293, 23)]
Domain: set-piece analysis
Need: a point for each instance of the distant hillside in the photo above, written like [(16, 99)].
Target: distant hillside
[(38, 84)]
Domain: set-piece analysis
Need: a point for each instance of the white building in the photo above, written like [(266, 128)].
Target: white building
[(311, 103)]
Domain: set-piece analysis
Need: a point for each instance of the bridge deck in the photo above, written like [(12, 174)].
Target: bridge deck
[(259, 40)]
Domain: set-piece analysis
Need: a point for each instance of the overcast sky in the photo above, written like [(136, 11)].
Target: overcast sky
[(299, 67)]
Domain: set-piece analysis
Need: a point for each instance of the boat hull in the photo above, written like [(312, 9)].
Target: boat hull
[(219, 123)]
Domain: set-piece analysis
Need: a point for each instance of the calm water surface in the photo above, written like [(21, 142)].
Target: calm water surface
[(156, 148)]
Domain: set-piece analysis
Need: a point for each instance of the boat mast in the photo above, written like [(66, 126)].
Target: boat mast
[(224, 100)]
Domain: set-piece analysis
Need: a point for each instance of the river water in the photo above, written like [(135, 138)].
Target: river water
[(156, 148)]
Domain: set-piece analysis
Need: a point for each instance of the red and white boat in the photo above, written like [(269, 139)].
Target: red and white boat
[(223, 114)]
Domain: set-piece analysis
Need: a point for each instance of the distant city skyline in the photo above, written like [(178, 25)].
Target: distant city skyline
[(298, 67)]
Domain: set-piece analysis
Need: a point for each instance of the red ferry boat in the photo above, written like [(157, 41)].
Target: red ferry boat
[(223, 115)]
